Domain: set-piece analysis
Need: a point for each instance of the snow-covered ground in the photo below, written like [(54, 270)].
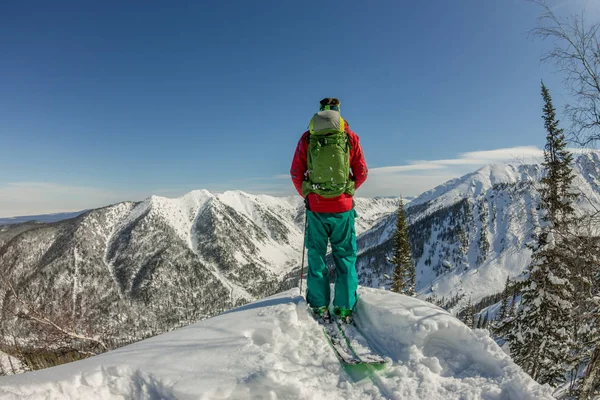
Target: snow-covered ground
[(273, 349)]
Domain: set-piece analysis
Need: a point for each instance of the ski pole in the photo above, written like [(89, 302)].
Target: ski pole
[(303, 250)]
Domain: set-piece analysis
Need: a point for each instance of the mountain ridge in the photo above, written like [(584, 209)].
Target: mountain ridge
[(473, 234)]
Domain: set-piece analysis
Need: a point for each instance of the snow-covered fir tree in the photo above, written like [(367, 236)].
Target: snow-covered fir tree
[(505, 299), (556, 191), (585, 351), (500, 322), (539, 335), (484, 323), (468, 318), (513, 304), (404, 277)]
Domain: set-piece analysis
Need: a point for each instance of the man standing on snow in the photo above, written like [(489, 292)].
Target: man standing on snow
[(328, 167)]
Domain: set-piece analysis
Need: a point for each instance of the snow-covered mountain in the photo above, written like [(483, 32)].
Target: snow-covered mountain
[(273, 349), (468, 234), (133, 269), (136, 269)]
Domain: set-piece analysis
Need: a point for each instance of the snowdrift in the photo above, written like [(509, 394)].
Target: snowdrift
[(274, 349)]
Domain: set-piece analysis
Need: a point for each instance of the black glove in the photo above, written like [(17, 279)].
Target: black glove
[(306, 204)]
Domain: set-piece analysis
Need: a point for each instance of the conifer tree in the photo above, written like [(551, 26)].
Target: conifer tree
[(513, 305), (468, 319), (586, 319), (556, 193), (503, 312), (403, 280), (479, 321), (539, 335), (485, 321)]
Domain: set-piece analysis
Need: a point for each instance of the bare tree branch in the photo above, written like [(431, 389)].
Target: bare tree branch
[(576, 53)]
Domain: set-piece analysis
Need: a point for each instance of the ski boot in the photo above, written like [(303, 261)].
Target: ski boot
[(344, 314), (322, 313)]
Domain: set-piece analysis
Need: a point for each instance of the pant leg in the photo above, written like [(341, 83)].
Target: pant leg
[(317, 281), (343, 249)]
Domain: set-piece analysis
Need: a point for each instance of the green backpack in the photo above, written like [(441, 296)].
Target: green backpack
[(328, 156)]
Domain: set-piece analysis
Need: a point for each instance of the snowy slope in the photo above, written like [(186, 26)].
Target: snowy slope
[(503, 216), (273, 349), (372, 211), (477, 183)]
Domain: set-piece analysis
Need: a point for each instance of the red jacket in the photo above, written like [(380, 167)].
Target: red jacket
[(318, 203)]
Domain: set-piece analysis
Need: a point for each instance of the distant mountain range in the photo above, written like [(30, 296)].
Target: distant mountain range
[(135, 269), (40, 218)]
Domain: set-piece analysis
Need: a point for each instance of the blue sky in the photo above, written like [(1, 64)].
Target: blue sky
[(109, 101)]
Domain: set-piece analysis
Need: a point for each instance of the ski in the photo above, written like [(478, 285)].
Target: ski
[(337, 342), (357, 343)]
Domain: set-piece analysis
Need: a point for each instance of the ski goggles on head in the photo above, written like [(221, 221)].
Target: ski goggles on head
[(333, 108)]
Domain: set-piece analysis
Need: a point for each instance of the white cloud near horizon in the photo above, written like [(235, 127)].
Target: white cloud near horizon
[(525, 154), (421, 175), (33, 198)]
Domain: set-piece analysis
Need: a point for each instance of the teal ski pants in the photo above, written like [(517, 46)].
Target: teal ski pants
[(339, 228)]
